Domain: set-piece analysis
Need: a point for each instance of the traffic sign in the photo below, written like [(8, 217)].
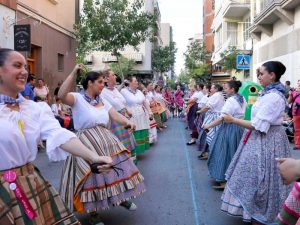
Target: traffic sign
[(243, 62)]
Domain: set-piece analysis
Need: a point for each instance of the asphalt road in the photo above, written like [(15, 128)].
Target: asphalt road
[(178, 188)]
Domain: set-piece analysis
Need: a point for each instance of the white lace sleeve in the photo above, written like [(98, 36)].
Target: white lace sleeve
[(53, 133)]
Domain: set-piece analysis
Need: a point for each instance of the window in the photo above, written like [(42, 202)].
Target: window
[(246, 27), (232, 33), (218, 38), (60, 64)]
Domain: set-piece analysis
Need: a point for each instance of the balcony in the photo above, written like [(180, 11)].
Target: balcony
[(235, 9), (272, 11)]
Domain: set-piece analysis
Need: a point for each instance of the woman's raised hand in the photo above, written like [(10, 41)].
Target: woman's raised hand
[(78, 69)]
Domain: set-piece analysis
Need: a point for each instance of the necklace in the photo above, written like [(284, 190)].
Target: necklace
[(132, 91)]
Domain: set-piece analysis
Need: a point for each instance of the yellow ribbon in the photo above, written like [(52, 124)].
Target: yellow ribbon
[(21, 126)]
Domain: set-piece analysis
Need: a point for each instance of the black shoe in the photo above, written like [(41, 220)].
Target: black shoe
[(296, 148), (191, 143), (203, 156)]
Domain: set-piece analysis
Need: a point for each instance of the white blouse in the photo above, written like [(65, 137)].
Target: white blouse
[(203, 101), (150, 96), (234, 108), (114, 97), (133, 99), (215, 102), (21, 131), (87, 116), (56, 108), (41, 92), (198, 95), (268, 110)]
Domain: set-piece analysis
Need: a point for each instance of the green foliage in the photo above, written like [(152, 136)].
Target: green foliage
[(163, 58), (110, 25), (183, 77), (171, 84), (229, 58), (124, 66), (195, 58)]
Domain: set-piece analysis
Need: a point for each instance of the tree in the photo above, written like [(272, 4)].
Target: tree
[(183, 77), (229, 58), (124, 66), (163, 58), (110, 25), (195, 59)]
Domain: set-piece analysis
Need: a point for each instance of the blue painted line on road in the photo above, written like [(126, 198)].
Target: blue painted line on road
[(192, 184)]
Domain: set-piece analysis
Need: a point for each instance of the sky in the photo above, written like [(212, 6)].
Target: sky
[(185, 16)]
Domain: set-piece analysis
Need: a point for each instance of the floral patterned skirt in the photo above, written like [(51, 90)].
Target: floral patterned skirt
[(254, 187)]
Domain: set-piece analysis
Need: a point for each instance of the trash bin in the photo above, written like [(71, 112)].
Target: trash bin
[(250, 92)]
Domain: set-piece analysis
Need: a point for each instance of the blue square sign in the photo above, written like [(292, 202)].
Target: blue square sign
[(243, 62)]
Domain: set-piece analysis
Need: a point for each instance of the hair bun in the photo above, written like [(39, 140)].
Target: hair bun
[(239, 83), (281, 68)]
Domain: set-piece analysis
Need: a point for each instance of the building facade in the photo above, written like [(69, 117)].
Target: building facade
[(7, 18), (167, 38), (53, 47), (232, 20), (276, 33), (99, 60)]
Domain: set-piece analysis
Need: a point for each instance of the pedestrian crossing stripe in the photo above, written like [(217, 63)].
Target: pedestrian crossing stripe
[(243, 61)]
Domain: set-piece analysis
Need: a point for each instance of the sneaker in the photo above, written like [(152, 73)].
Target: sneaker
[(129, 205)]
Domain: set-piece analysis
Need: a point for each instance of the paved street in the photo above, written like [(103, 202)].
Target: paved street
[(178, 189)]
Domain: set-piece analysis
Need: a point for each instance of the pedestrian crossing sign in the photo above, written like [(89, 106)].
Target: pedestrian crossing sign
[(243, 62)]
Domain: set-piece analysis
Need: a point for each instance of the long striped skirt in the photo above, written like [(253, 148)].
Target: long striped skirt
[(290, 212), (89, 192), (43, 198), (124, 135), (255, 189), (142, 140), (209, 118), (222, 150)]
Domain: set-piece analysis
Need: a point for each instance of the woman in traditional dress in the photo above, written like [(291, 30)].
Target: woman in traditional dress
[(162, 104), (295, 101), (254, 189), (154, 105), (140, 110), (170, 99), (212, 111), (192, 103), (153, 130), (89, 192), (228, 137), (26, 197), (116, 99), (200, 117), (178, 100)]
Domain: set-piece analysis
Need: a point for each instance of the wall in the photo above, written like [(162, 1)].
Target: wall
[(283, 45), (48, 42), (7, 18), (61, 14)]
